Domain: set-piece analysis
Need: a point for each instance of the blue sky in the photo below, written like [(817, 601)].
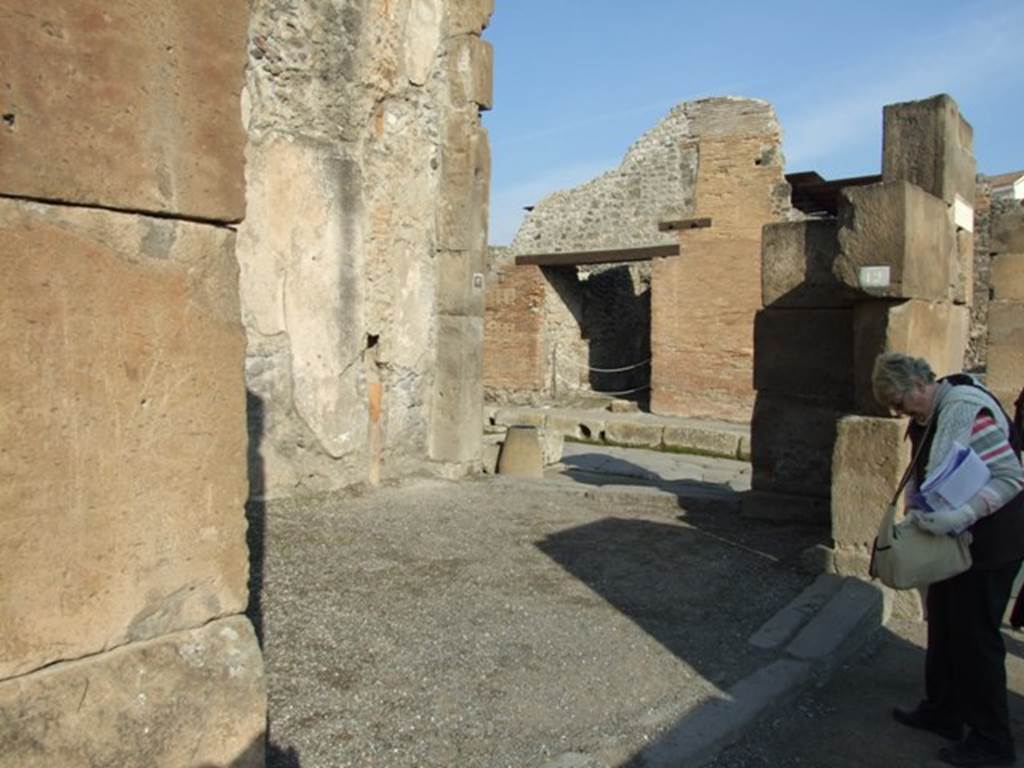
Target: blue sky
[(577, 81)]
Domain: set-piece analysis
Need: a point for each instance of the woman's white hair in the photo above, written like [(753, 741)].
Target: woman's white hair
[(894, 375)]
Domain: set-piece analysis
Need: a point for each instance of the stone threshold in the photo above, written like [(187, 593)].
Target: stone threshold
[(631, 429)]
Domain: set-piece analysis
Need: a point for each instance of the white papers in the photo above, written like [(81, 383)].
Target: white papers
[(954, 482)]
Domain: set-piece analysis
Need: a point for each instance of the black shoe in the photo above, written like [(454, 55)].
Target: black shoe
[(924, 720), (971, 755)]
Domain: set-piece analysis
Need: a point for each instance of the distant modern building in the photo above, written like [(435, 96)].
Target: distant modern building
[(1008, 185)]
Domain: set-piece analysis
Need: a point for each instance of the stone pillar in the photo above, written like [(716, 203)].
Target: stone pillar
[(123, 564), (1006, 310), (888, 274), (803, 371), (907, 244)]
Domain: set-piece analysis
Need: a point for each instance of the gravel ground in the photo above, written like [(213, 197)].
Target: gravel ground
[(500, 623)]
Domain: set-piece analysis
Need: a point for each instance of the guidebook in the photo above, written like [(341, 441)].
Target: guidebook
[(954, 482)]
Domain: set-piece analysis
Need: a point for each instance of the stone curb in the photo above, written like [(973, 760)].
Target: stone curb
[(631, 430), (848, 617), (851, 610)]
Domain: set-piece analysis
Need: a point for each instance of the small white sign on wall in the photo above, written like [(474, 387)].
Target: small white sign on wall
[(963, 214), (874, 277)]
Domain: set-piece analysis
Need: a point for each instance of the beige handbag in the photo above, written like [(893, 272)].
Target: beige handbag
[(905, 557)]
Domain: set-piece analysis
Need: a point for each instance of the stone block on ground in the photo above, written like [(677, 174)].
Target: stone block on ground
[(1005, 375), (869, 458), (899, 227), (796, 265), (930, 144), (458, 396), (937, 331), (637, 434), (192, 698), (586, 426), (700, 438), (124, 431), (140, 109), (1007, 277), (521, 454), (791, 445), (805, 353)]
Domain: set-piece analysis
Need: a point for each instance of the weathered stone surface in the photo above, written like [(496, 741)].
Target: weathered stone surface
[(577, 426), (370, 173), (928, 143), (422, 38), (194, 698), (900, 226), (796, 265), (460, 283), (791, 446), (805, 353), (468, 16), (124, 431), (1005, 375), (633, 433), (304, 320), (868, 461), (458, 396), (521, 454), (936, 331), (510, 417), (140, 108), (963, 283), (693, 437), (464, 187), (1007, 278), (1008, 231), (470, 71)]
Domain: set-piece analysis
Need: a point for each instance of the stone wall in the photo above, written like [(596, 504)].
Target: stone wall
[(123, 563), (704, 301), (888, 274), (600, 317), (362, 257)]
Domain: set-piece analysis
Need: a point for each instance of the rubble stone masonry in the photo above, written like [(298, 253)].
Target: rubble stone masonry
[(362, 255)]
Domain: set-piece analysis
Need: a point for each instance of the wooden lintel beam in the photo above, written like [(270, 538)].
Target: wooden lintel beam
[(675, 226), (612, 256)]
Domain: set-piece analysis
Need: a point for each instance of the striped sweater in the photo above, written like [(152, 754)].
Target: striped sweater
[(971, 416)]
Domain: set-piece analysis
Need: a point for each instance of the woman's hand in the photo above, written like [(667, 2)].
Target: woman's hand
[(945, 521)]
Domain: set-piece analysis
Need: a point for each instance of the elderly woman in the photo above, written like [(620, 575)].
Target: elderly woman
[(965, 673)]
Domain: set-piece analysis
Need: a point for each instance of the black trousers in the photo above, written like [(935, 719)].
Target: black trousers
[(965, 667)]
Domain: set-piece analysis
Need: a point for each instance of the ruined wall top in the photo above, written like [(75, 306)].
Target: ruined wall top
[(655, 182)]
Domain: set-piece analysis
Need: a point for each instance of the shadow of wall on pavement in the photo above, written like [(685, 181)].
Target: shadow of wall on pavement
[(262, 755), (844, 722), (255, 511)]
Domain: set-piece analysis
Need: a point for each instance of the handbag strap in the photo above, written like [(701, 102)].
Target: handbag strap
[(913, 461)]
